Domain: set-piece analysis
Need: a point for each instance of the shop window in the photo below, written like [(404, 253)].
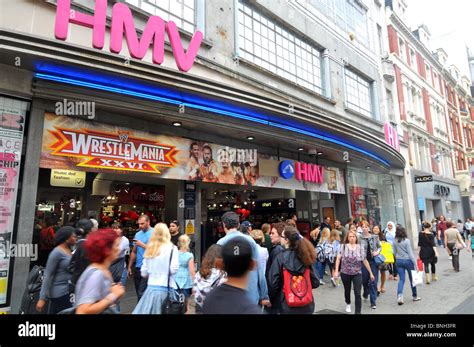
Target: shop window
[(268, 45), (375, 197)]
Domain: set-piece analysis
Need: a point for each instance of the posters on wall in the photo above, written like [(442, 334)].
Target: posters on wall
[(76, 144), (365, 205), (12, 126)]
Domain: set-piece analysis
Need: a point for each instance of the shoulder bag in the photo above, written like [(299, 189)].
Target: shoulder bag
[(174, 302)]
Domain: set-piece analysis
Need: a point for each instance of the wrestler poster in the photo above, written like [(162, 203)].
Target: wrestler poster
[(76, 144)]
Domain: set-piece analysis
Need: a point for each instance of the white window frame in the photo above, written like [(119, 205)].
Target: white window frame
[(189, 15), (263, 42), (353, 84)]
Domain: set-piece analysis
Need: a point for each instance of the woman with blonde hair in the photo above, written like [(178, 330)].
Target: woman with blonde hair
[(186, 271), (259, 238), (160, 264), (331, 251), (321, 264)]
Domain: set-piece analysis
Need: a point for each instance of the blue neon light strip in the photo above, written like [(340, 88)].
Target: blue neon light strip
[(145, 92)]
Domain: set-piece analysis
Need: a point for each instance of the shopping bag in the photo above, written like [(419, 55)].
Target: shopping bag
[(417, 277), (419, 264)]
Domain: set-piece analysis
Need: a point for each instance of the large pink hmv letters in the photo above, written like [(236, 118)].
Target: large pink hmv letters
[(122, 24)]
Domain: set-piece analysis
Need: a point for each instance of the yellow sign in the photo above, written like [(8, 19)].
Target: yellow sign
[(68, 178), (3, 290), (189, 226)]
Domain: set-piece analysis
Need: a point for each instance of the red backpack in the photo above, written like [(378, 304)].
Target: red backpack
[(297, 288)]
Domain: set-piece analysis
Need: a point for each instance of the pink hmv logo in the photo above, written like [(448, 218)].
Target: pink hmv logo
[(122, 25), (391, 136)]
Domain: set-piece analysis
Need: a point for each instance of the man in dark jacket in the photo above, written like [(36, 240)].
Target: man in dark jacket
[(275, 236), (79, 260)]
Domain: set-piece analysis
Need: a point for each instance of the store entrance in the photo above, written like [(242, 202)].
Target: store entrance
[(106, 197), (256, 204)]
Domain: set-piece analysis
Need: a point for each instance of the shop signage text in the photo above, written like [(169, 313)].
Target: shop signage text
[(142, 194), (109, 151), (441, 190), (68, 178), (421, 179), (391, 136), (309, 172), (304, 171), (275, 204), (122, 25)]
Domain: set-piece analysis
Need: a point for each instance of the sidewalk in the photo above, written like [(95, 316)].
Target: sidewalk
[(452, 293), (449, 293)]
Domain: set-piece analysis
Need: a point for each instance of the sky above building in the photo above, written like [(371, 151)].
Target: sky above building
[(451, 24)]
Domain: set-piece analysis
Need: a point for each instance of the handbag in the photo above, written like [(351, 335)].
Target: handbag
[(174, 302), (379, 259), (459, 242)]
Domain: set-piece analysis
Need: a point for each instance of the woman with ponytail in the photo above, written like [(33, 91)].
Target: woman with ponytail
[(292, 276)]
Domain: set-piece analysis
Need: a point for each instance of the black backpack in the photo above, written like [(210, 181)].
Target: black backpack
[(32, 291)]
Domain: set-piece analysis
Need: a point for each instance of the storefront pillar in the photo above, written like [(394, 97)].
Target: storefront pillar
[(189, 211), (29, 183), (412, 216)]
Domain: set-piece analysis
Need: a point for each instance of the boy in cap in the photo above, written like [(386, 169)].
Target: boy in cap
[(231, 297)]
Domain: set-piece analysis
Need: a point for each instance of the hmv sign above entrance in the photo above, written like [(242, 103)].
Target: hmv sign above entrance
[(122, 25), (302, 171)]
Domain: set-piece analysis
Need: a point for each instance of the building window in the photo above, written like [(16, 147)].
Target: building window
[(412, 57), (403, 52), (358, 93), (380, 39), (349, 15), (275, 49), (390, 110), (182, 12)]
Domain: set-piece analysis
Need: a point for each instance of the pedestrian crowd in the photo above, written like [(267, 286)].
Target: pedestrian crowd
[(249, 271)]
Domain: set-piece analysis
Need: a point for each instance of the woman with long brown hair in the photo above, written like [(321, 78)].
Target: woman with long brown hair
[(292, 276), (208, 277)]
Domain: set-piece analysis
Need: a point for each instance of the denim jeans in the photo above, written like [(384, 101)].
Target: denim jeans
[(140, 283), (123, 280), (402, 265), (321, 267), (370, 288)]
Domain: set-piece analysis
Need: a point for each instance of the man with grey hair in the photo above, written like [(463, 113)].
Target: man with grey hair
[(257, 287)]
